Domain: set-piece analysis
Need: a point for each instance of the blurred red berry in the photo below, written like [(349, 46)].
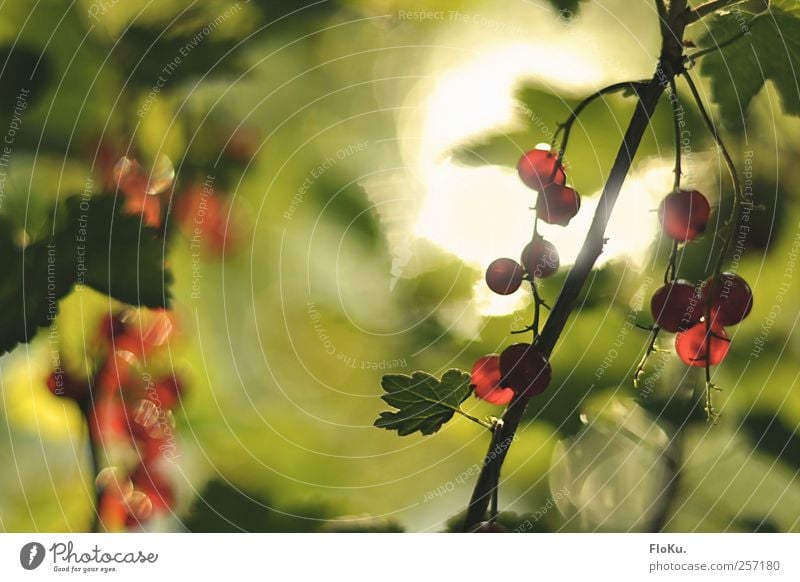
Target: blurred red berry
[(108, 420), (486, 378), (148, 479), (207, 219)]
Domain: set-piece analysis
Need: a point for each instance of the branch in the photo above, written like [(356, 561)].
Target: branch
[(592, 247), (85, 405), (649, 95)]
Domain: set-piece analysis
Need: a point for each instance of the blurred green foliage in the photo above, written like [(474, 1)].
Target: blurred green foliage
[(283, 342)]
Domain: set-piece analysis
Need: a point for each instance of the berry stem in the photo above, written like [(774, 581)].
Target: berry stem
[(85, 406), (651, 349), (670, 276), (474, 419), (537, 300), (738, 198), (676, 111)]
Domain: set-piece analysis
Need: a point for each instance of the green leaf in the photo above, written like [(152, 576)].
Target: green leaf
[(193, 53), (224, 508), (424, 403), (121, 256), (770, 51), (34, 279), (26, 73), (97, 245)]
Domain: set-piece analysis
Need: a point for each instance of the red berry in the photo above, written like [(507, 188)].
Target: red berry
[(684, 215), (732, 299), (149, 480), (486, 378), (242, 144), (537, 169), (108, 421), (691, 345), (557, 204), (677, 306), (167, 392), (525, 369), (504, 276), (207, 218), (112, 512), (540, 258)]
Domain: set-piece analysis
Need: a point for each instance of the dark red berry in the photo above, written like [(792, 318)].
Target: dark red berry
[(525, 369), (540, 258), (732, 299), (504, 276), (558, 204), (691, 345), (684, 215), (538, 169), (486, 378), (677, 306)]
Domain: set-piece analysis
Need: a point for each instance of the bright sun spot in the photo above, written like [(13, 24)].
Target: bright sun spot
[(482, 213)]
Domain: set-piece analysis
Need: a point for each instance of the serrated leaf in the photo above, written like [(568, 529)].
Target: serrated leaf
[(424, 403), (769, 52)]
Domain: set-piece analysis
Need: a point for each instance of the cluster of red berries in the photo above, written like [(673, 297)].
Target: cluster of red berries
[(680, 306), (556, 203), (204, 214), (209, 219), (129, 410), (521, 370)]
